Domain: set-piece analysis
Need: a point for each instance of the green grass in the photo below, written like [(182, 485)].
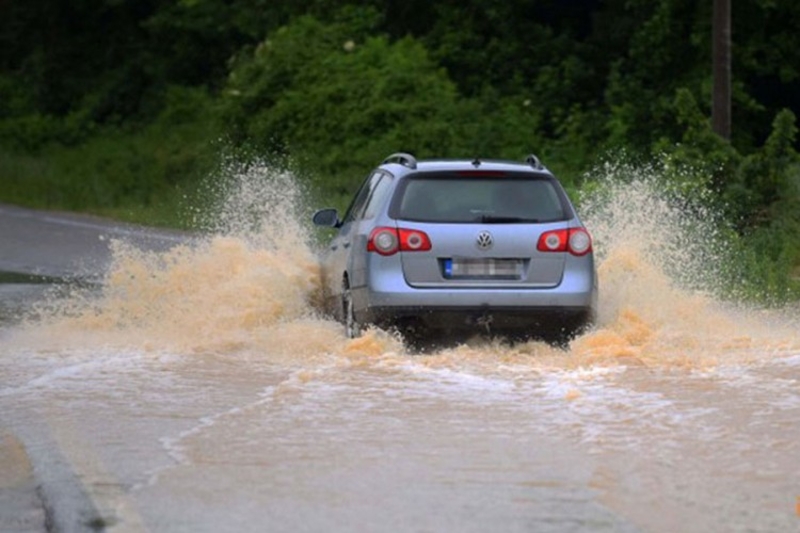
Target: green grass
[(140, 177), (90, 179)]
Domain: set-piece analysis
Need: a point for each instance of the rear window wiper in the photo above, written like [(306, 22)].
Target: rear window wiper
[(496, 219)]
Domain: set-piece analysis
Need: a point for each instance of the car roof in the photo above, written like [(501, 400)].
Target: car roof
[(399, 164)]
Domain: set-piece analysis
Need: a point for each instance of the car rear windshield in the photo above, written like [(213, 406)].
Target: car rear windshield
[(464, 198)]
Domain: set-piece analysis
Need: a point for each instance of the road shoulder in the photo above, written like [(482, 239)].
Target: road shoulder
[(21, 508)]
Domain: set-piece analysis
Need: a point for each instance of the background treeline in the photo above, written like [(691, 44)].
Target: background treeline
[(124, 106)]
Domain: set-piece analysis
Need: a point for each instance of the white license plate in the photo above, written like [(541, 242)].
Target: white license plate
[(482, 268)]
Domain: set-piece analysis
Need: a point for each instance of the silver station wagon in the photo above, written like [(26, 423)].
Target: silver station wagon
[(461, 247)]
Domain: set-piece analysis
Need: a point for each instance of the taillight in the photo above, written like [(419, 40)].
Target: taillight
[(383, 240), (580, 243), (387, 241), (553, 241), (574, 240), (414, 241)]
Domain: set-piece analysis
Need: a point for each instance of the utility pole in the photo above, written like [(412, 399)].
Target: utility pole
[(721, 52)]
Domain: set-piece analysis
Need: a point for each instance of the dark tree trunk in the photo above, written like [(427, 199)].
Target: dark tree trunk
[(721, 99)]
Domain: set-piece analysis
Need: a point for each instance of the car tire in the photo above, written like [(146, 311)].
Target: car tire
[(567, 333), (352, 327)]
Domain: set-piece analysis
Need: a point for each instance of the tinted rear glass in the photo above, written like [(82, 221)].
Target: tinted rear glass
[(510, 198)]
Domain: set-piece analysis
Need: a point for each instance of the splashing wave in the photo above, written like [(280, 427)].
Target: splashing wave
[(251, 285)]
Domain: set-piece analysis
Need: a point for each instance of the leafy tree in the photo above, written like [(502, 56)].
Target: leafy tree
[(668, 49), (766, 61), (713, 161), (69, 52), (767, 187), (339, 100)]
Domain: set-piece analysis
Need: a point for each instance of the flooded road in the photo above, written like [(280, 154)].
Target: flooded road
[(195, 388)]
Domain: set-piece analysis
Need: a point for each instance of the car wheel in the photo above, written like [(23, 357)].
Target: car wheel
[(352, 327), (568, 332)]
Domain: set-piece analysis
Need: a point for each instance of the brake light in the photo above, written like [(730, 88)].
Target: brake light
[(576, 241), (388, 241), (414, 241), (481, 173)]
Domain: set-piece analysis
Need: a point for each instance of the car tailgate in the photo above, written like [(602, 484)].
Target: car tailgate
[(483, 255)]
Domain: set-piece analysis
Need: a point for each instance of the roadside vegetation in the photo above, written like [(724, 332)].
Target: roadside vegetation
[(125, 108)]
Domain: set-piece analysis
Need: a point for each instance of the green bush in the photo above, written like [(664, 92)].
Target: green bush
[(338, 105), (759, 194)]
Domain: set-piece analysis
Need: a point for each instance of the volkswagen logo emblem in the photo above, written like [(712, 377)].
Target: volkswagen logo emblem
[(484, 240)]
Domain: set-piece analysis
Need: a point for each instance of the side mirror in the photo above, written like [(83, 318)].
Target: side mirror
[(326, 217)]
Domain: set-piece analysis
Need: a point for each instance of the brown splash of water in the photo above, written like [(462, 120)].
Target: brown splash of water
[(220, 292), (251, 281), (659, 268), (251, 286)]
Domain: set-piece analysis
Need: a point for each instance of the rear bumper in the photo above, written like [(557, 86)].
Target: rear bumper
[(550, 309), (544, 319), (385, 298)]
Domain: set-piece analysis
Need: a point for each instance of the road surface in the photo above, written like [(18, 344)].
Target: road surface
[(194, 388)]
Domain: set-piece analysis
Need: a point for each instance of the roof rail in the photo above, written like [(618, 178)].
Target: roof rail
[(402, 158), (533, 161)]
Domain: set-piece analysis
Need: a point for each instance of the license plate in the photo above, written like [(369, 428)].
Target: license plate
[(482, 268)]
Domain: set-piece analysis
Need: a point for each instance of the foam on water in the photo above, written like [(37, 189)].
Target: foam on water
[(251, 286)]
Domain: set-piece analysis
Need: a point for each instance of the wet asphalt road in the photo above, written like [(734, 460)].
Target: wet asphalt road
[(67, 245), (37, 249), (201, 396)]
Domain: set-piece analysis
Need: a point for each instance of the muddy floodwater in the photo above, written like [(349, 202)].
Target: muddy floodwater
[(198, 389)]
